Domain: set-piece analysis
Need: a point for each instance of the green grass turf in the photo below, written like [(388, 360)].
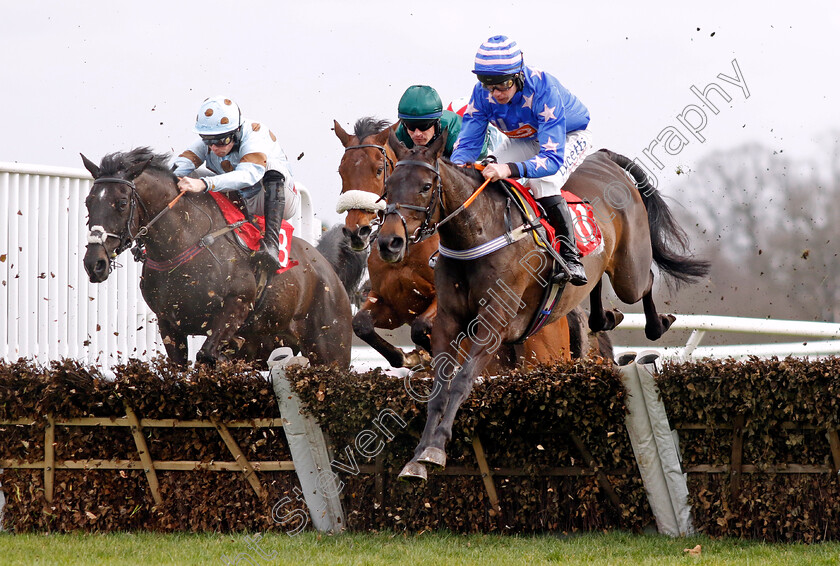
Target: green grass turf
[(374, 549)]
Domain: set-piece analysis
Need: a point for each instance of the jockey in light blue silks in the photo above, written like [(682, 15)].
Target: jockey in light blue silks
[(245, 157), (546, 129)]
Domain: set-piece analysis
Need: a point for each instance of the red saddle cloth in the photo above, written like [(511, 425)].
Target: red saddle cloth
[(587, 234), (251, 235)]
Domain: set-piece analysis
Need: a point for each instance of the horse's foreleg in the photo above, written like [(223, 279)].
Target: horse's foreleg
[(421, 328), (174, 341), (655, 324), (376, 314), (459, 389), (224, 325), (600, 319), (445, 364)]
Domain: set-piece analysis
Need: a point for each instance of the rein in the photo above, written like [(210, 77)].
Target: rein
[(98, 235), (425, 230), (145, 229), (464, 206)]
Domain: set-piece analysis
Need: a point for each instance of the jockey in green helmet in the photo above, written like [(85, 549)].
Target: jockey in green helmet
[(423, 119)]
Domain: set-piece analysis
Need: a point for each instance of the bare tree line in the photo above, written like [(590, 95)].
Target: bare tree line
[(769, 223)]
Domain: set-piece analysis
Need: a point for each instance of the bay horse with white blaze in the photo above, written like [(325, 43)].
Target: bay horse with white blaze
[(499, 296), (209, 286), (404, 292)]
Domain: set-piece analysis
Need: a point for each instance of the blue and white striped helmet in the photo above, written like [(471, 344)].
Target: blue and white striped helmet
[(499, 55)]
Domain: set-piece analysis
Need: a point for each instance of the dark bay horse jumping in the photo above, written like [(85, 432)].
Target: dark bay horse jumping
[(404, 292), (215, 293), (493, 299)]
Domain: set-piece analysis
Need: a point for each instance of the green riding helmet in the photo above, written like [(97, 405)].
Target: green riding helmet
[(420, 102)]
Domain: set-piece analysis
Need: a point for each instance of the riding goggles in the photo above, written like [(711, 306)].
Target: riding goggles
[(217, 140), (422, 125), (500, 86)]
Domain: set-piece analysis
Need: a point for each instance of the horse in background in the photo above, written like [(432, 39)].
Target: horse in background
[(349, 264), (199, 279), (585, 344), (404, 293)]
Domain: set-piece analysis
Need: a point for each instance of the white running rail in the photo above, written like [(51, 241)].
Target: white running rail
[(817, 339)]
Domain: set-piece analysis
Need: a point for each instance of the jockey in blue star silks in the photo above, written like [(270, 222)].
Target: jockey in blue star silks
[(245, 157), (545, 125)]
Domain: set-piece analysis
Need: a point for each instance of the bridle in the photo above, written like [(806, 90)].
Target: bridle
[(426, 228), (381, 149), (98, 234), (374, 207)]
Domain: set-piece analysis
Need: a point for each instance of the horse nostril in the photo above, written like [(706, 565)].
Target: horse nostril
[(101, 266), (396, 244), (347, 233), (364, 231)]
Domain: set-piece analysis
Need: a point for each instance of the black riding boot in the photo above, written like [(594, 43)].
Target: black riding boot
[(561, 219), (274, 205)]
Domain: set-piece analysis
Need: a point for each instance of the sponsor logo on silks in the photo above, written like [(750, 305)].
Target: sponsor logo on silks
[(294, 189), (525, 131)]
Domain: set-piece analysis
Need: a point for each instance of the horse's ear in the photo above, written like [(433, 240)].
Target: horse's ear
[(341, 134), (394, 143), (439, 144), (90, 166), (135, 170), (382, 137)]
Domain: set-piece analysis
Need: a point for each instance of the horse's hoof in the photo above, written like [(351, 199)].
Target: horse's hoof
[(434, 456), (417, 358), (618, 317), (655, 332), (413, 471)]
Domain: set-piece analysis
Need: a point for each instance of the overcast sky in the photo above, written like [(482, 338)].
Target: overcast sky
[(109, 76)]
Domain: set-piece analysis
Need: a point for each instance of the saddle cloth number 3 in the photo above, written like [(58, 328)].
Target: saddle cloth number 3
[(285, 237)]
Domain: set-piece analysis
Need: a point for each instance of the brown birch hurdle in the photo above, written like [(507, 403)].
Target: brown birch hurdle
[(145, 461)]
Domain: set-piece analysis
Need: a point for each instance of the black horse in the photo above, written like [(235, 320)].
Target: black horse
[(208, 285)]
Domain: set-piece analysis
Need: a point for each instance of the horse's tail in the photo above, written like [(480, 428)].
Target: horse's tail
[(348, 264), (668, 240)]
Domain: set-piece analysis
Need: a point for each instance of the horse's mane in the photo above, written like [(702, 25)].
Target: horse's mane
[(369, 126), (120, 161), (469, 171)]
